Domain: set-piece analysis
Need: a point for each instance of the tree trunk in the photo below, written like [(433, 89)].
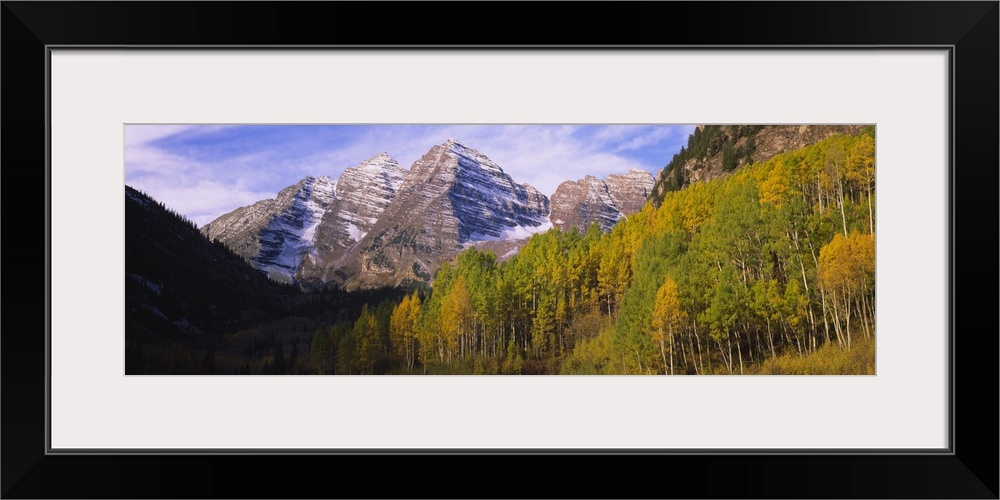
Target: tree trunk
[(739, 350), (786, 333), (684, 356), (727, 359), (671, 332), (836, 322), (843, 216), (802, 266), (697, 339), (819, 193), (812, 327), (663, 352), (847, 316), (864, 315), (871, 214), (770, 338), (826, 323), (694, 359)]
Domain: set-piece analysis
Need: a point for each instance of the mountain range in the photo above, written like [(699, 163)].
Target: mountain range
[(380, 224), (228, 297)]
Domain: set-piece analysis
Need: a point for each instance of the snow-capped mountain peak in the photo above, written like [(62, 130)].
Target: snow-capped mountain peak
[(381, 224)]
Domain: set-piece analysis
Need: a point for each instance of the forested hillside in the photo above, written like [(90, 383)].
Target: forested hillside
[(713, 151), (770, 269), (192, 306)]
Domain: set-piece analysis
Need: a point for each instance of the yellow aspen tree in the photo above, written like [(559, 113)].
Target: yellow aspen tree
[(847, 270), (396, 330), (403, 329), (861, 171), (456, 311), (667, 316)]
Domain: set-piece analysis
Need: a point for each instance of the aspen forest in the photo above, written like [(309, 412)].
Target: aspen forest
[(769, 269)]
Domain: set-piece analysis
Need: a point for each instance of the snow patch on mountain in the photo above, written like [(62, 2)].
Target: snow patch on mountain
[(355, 233), (288, 238), (521, 232), (364, 192)]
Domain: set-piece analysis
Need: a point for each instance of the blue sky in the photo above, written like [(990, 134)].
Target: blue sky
[(204, 171)]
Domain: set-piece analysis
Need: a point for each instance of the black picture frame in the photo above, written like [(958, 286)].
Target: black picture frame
[(969, 470)]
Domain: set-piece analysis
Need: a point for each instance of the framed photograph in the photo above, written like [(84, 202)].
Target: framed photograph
[(372, 217)]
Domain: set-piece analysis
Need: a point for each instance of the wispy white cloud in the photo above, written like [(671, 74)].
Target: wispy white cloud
[(203, 200), (205, 171), (138, 135), (545, 158), (632, 138), (191, 187)]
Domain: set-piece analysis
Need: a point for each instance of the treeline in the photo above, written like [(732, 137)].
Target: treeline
[(144, 199), (705, 143), (773, 262)]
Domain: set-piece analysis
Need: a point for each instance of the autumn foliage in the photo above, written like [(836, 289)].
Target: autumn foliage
[(770, 269)]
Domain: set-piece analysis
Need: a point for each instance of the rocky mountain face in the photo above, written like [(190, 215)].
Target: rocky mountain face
[(275, 235), (452, 196), (363, 192), (379, 224), (630, 190), (582, 202), (715, 150)]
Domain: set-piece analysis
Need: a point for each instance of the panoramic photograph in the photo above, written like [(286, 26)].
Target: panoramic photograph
[(698, 249)]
